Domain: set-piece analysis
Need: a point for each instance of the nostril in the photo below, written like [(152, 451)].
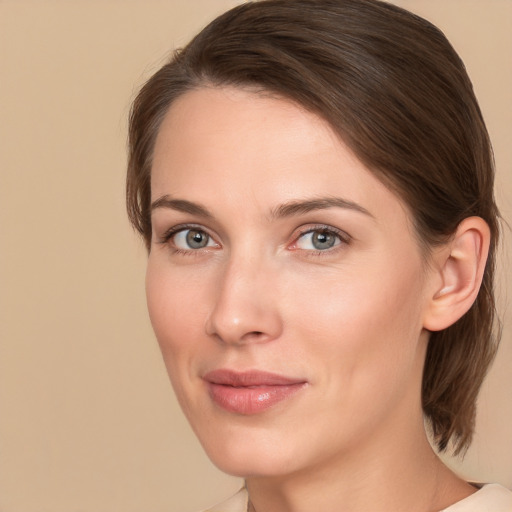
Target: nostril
[(253, 335)]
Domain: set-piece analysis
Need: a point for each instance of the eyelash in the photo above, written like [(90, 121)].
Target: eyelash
[(167, 236), (343, 237)]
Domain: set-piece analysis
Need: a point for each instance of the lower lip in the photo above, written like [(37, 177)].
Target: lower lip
[(252, 399)]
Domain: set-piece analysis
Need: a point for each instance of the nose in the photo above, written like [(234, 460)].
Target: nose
[(245, 307)]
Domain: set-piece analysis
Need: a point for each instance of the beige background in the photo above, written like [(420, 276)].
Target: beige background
[(87, 418)]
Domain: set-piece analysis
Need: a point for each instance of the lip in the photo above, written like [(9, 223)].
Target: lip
[(250, 392)]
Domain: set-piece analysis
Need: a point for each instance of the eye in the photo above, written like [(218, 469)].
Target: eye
[(318, 240), (192, 239)]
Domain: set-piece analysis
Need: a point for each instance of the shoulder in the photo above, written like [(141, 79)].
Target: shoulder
[(490, 498), (237, 503)]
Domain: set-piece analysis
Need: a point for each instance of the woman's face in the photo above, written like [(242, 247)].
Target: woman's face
[(285, 286)]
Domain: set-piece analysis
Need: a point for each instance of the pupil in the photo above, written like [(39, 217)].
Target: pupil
[(323, 240), (196, 239)]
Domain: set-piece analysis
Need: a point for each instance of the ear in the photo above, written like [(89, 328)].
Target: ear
[(459, 270)]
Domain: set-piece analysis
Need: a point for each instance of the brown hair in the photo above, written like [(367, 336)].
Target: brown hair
[(397, 93)]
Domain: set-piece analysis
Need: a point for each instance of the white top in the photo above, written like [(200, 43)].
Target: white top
[(490, 498)]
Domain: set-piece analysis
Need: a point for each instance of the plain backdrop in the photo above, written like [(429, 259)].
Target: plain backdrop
[(88, 421)]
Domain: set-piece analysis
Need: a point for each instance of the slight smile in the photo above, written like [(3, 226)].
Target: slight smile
[(250, 392)]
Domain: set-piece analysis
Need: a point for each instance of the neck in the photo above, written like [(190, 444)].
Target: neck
[(395, 471)]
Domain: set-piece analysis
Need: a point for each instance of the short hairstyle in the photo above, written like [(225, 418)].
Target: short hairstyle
[(396, 92)]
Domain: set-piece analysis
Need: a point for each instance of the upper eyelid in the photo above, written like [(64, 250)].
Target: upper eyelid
[(169, 233), (323, 227)]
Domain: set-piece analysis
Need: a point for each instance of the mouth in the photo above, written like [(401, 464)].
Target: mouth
[(250, 392)]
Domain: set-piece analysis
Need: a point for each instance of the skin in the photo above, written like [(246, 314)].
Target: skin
[(349, 320)]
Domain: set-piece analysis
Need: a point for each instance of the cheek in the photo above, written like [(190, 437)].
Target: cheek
[(365, 320), (175, 301), (362, 340)]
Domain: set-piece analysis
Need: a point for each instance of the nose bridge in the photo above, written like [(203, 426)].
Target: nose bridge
[(244, 308)]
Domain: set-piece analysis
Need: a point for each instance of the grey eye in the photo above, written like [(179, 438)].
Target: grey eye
[(197, 239), (318, 240), (192, 239), (323, 240)]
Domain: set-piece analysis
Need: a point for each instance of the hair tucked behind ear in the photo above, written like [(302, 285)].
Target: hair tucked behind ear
[(397, 93)]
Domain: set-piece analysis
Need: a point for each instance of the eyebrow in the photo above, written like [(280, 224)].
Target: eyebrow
[(181, 205), (301, 207), (285, 210)]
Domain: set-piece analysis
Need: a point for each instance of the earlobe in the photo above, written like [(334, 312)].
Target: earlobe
[(460, 265)]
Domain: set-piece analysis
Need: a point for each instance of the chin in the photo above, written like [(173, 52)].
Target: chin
[(250, 453), (260, 466)]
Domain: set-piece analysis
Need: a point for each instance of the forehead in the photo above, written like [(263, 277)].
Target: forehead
[(223, 124), (235, 147)]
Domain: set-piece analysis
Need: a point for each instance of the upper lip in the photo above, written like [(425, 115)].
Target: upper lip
[(248, 378)]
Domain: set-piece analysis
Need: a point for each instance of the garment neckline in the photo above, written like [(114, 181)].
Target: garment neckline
[(501, 495)]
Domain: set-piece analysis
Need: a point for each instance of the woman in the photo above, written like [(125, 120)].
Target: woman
[(314, 183)]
